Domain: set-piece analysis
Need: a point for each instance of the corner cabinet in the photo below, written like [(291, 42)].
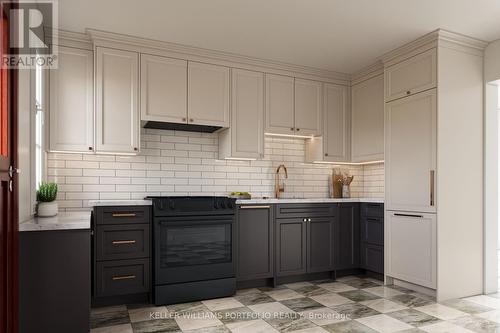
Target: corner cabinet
[(117, 101), (245, 137), (71, 102)]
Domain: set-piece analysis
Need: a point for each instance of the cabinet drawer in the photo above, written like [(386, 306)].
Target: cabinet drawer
[(122, 241), (372, 258), (123, 214), (122, 277), (372, 230), (305, 210), (372, 210)]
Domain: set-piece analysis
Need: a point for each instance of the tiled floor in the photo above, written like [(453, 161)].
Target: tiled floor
[(350, 304)]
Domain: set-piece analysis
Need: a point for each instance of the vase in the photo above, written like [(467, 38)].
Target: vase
[(47, 209), (346, 191)]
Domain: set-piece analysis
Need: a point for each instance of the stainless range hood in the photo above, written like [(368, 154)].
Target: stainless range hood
[(181, 127)]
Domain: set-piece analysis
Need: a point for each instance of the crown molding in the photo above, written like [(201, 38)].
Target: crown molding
[(72, 39), (368, 72), (105, 38)]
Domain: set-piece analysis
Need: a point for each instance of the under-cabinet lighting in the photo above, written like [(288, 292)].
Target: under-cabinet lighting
[(349, 163), (291, 136), (240, 159)]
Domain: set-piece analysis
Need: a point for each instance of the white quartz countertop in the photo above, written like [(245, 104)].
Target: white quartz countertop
[(94, 203), (312, 200), (62, 221)]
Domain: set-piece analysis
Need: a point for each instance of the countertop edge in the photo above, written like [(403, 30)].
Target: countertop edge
[(62, 221)]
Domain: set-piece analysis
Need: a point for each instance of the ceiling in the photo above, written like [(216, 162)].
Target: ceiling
[(337, 35)]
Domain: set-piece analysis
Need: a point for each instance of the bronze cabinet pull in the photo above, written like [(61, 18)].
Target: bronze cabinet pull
[(432, 173), (123, 214), (255, 207), (122, 242), (123, 277)]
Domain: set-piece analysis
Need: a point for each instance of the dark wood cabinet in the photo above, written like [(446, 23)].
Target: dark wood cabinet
[(320, 242), (347, 240), (291, 257), (372, 237), (255, 251)]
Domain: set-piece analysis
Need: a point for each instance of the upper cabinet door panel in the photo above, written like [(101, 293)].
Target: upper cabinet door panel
[(247, 121), (208, 94), (308, 107), (163, 89), (279, 104), (71, 104), (336, 123), (411, 76), (117, 106), (410, 143), (368, 120)]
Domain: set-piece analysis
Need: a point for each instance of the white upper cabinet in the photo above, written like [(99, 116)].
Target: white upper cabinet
[(410, 143), (308, 107), (411, 76), (163, 89), (71, 102), (280, 104), (367, 120), (117, 103), (208, 94), (334, 145), (245, 137)]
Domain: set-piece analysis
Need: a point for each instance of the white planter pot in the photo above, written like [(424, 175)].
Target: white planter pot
[(47, 209)]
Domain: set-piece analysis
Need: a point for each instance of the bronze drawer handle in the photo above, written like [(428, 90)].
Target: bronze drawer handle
[(123, 277), (123, 214), (256, 207), (121, 242)]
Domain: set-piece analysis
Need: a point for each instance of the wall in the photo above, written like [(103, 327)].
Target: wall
[(185, 163)]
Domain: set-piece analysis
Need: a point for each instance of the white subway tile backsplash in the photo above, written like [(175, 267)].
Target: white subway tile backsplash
[(185, 163)]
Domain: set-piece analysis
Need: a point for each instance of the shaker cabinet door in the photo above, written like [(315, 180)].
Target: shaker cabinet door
[(320, 241), (291, 246), (279, 104), (308, 102), (336, 133)]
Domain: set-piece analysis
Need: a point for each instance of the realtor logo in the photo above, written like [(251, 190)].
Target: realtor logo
[(32, 33)]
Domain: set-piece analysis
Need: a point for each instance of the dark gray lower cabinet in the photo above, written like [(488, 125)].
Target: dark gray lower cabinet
[(372, 237), (372, 257), (255, 242), (347, 236), (320, 236), (54, 286), (291, 247)]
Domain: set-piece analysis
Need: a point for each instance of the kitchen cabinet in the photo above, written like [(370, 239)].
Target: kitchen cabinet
[(367, 120), (117, 101), (54, 279), (280, 101), (411, 247), (372, 237), (245, 137), (411, 76), (410, 143), (71, 102), (163, 89), (347, 236), (291, 258), (334, 145), (308, 105), (255, 242), (320, 242), (208, 94)]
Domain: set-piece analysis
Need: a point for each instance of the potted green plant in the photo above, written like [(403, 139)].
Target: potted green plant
[(46, 196)]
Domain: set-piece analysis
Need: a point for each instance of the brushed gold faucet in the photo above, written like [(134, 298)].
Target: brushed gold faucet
[(278, 188)]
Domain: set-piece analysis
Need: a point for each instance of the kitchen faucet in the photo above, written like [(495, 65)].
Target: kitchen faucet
[(278, 189)]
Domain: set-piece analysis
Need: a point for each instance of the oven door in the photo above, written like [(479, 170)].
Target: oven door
[(194, 248)]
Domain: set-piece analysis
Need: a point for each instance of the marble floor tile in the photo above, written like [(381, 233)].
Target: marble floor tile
[(311, 291), (253, 326), (316, 282), (361, 284), (445, 327), (383, 291), (222, 303), (466, 306), (336, 287), (440, 311), (484, 300), (315, 329), (355, 310), (491, 315), (350, 326), (477, 324), (401, 289), (184, 308), (212, 329), (248, 291), (283, 294), (274, 309), (254, 298), (358, 295), (290, 324), (384, 324), (323, 316), (302, 304), (149, 313), (125, 328), (109, 317), (414, 317), (331, 299), (192, 321), (348, 278), (297, 285), (108, 309), (160, 325), (383, 305), (235, 315), (409, 300)]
